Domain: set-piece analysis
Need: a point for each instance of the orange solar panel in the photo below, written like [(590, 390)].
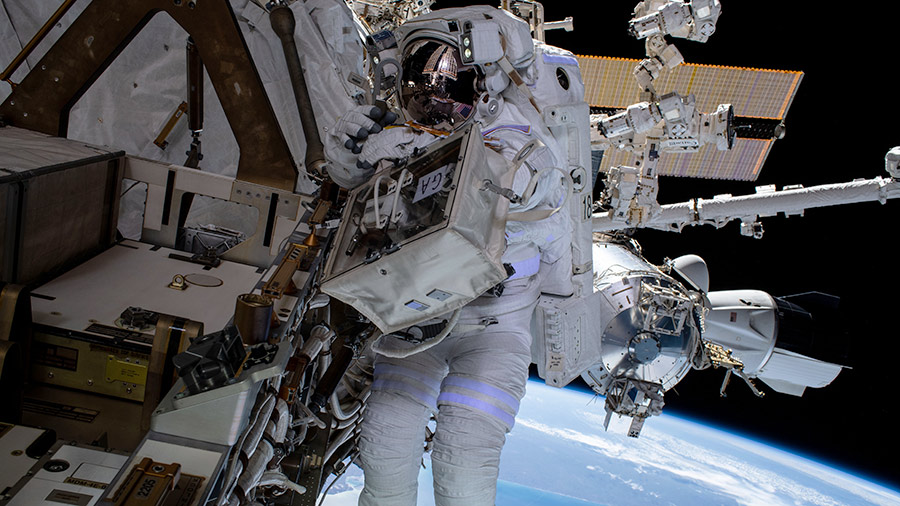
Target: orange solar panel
[(756, 93), (742, 163)]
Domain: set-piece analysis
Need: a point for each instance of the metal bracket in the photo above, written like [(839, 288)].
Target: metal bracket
[(178, 283), (499, 190)]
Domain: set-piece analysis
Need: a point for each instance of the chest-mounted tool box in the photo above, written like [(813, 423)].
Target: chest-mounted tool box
[(422, 238)]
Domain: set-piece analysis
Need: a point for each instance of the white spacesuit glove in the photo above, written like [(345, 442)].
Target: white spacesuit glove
[(396, 143), (356, 125), (345, 140)]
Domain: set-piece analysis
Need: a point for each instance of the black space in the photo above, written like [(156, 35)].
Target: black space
[(839, 128)]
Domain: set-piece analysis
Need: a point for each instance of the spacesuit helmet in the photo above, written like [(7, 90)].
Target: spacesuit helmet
[(436, 88), (450, 58)]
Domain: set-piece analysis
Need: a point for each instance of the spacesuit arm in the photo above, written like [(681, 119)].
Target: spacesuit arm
[(394, 144)]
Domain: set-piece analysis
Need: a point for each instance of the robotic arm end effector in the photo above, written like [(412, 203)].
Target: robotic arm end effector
[(654, 19), (692, 20)]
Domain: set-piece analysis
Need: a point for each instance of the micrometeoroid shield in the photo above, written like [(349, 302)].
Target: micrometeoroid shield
[(423, 238)]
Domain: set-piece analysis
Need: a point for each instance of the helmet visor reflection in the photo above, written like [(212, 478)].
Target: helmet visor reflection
[(436, 88)]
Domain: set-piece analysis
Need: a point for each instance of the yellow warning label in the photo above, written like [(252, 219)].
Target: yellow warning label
[(129, 372)]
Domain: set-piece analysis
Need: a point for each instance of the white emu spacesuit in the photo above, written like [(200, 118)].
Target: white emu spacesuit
[(472, 380)]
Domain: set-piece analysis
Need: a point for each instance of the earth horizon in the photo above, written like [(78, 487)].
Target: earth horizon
[(558, 454)]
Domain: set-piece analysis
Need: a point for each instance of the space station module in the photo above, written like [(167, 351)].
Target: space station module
[(644, 327)]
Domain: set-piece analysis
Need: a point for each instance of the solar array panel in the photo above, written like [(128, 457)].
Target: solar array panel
[(742, 163), (754, 93)]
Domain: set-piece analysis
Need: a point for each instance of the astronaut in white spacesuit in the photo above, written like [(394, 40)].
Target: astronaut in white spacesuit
[(472, 380)]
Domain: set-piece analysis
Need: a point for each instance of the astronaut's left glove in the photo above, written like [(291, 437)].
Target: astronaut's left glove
[(345, 139), (357, 124), (394, 143)]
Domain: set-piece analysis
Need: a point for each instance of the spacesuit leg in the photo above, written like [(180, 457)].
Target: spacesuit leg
[(403, 398), (480, 396)]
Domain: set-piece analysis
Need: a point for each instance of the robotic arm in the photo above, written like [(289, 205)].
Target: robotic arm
[(692, 19), (671, 124), (684, 129), (654, 19)]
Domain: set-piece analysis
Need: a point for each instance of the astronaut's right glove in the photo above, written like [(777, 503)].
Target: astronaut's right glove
[(345, 140)]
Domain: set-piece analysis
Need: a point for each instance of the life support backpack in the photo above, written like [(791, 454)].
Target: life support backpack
[(557, 90)]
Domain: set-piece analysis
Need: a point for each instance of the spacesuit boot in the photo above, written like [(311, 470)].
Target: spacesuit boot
[(473, 380)]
